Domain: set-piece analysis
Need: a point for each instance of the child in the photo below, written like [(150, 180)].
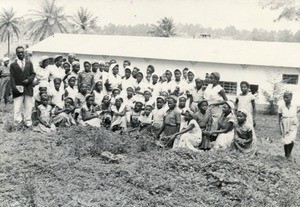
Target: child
[(67, 67), (134, 117), (57, 93), (288, 123), (95, 71), (182, 108), (158, 115), (178, 84), (105, 113), (172, 120), (191, 136), (243, 137), (63, 116), (204, 119), (98, 92), (89, 114), (146, 118), (115, 92), (148, 98), (71, 90), (74, 72), (80, 99), (119, 119), (42, 90), (86, 76), (155, 86), (246, 102), (44, 117), (129, 100), (196, 95)]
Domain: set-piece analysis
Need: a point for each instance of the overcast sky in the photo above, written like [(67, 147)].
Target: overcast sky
[(243, 14)]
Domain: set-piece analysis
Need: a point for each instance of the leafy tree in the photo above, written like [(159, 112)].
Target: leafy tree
[(48, 20), (165, 28), (290, 9), (84, 21), (8, 27)]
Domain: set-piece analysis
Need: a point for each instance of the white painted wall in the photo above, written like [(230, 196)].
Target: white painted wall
[(258, 75)]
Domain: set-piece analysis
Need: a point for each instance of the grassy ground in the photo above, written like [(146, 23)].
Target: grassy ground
[(67, 169)]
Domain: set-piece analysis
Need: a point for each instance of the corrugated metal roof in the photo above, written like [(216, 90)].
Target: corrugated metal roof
[(199, 50)]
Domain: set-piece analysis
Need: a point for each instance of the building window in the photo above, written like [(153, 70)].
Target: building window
[(229, 87), (290, 79)]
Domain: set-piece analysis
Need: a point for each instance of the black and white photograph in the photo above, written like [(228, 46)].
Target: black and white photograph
[(116, 103)]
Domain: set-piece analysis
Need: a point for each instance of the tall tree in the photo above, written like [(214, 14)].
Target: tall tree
[(48, 20), (289, 9), (84, 21), (164, 28), (8, 27)]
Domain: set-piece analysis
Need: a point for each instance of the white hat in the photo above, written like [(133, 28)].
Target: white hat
[(5, 59)]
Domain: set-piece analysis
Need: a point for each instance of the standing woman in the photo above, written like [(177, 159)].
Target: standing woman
[(56, 70), (5, 81), (288, 123), (216, 97)]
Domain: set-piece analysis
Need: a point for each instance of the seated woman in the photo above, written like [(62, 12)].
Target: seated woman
[(89, 114), (105, 112), (63, 116), (244, 137), (191, 136), (225, 133)]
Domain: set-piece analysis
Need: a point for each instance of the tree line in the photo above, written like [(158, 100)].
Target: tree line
[(51, 18)]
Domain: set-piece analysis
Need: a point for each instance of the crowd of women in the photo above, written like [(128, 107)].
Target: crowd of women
[(178, 108)]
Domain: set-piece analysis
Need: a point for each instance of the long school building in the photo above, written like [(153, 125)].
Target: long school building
[(260, 63)]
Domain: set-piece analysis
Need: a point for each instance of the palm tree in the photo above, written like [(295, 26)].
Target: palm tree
[(165, 28), (48, 20), (84, 21), (8, 27)]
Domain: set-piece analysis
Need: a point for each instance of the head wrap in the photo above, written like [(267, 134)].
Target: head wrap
[(111, 67), (75, 63), (43, 58), (5, 59), (88, 96), (57, 56), (217, 75), (173, 97)]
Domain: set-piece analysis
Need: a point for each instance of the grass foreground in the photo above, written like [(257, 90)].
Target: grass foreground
[(94, 167)]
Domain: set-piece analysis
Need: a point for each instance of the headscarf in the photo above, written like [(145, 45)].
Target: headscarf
[(75, 63), (43, 58), (111, 67), (217, 75)]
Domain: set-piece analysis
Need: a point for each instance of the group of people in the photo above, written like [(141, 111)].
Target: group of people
[(178, 108)]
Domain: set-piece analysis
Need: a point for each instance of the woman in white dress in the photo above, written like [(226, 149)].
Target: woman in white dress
[(191, 136), (216, 97), (288, 123)]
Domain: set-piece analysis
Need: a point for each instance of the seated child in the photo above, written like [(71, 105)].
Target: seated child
[(146, 118), (80, 99), (98, 92), (204, 119), (44, 117), (71, 90), (89, 114), (243, 137), (136, 112), (63, 116), (158, 115), (56, 93), (119, 119), (105, 112)]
